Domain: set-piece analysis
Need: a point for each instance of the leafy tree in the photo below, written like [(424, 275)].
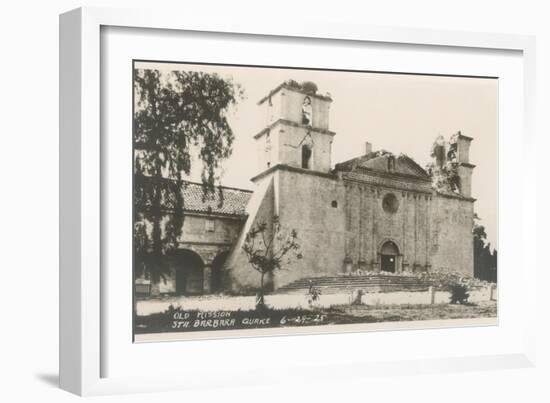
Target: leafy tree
[(485, 261), (269, 248), (176, 115), (479, 230)]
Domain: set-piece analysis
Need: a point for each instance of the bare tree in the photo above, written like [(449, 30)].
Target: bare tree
[(269, 248)]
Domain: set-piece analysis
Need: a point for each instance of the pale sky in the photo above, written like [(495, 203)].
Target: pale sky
[(398, 113)]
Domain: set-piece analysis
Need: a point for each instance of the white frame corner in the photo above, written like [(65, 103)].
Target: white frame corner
[(80, 175)]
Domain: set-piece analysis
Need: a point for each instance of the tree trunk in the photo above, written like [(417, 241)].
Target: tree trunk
[(262, 283), (260, 296)]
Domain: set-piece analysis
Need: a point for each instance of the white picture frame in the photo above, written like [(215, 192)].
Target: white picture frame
[(82, 299)]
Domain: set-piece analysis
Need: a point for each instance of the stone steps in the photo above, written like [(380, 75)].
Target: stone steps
[(335, 284)]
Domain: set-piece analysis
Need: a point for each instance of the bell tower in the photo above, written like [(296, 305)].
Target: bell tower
[(465, 168), (296, 131)]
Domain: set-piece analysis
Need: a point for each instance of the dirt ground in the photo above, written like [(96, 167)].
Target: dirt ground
[(389, 313), (296, 301)]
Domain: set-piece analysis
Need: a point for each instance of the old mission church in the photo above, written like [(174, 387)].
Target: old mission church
[(377, 212)]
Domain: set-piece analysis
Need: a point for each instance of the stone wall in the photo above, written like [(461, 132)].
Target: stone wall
[(342, 226), (239, 273), (291, 108), (452, 239), (208, 237), (291, 140), (314, 205), (211, 229), (369, 225), (282, 144), (431, 231), (287, 104)]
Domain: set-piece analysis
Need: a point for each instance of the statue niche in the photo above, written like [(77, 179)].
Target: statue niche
[(307, 112)]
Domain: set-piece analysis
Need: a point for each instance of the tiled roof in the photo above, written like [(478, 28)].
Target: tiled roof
[(224, 200)]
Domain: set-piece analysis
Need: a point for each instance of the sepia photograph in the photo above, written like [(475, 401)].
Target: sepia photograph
[(274, 200)]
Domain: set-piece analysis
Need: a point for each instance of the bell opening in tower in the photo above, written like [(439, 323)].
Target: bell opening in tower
[(306, 156)]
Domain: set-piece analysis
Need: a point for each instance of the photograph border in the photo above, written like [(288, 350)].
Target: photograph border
[(81, 171), (300, 330)]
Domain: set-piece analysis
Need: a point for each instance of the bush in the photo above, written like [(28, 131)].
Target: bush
[(459, 294), (313, 295), (456, 283)]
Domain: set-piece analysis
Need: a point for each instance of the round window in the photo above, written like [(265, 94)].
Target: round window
[(390, 204)]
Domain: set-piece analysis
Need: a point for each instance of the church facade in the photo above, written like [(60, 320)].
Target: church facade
[(377, 212)]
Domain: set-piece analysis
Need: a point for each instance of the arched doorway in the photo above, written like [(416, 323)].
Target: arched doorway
[(188, 272), (217, 280), (388, 257)]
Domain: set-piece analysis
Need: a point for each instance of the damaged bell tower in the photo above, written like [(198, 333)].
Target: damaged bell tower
[(450, 169), (465, 168)]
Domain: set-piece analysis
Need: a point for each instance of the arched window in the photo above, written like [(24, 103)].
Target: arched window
[(306, 156)]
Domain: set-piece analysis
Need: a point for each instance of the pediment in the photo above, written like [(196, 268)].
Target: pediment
[(385, 163), (395, 165)]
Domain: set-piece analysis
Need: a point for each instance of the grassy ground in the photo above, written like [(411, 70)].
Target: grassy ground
[(177, 320)]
